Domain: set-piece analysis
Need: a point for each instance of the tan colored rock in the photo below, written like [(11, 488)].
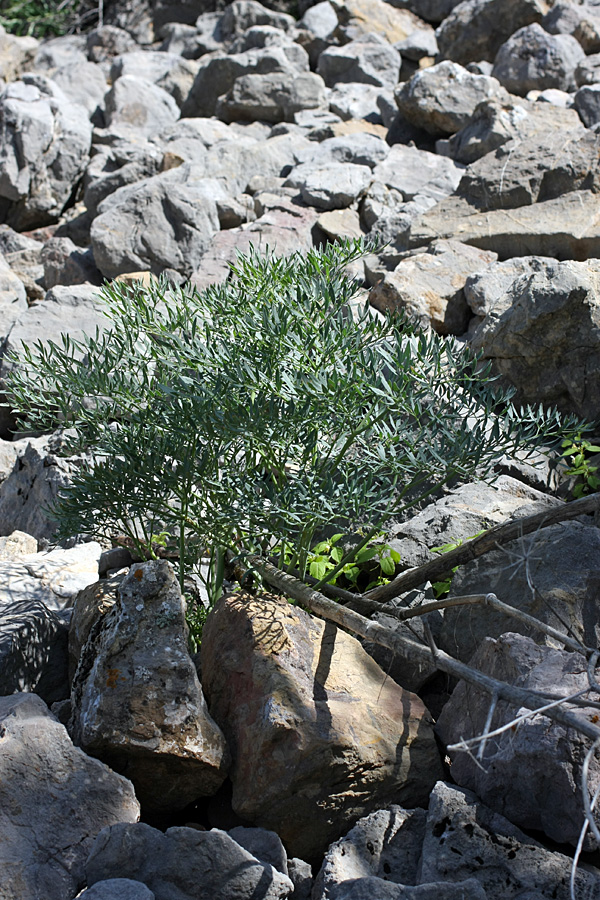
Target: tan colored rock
[(364, 16), (137, 702), (319, 735), (429, 286), (567, 227), (17, 544), (145, 279), (355, 126), (340, 223)]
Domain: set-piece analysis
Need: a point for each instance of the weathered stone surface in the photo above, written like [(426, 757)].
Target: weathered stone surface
[(333, 186), (531, 775), (563, 566), (117, 889), (476, 29), (184, 864), (33, 651), (361, 101), (495, 122), (263, 845), (582, 22), (371, 61), (416, 172), (17, 544), (318, 734), (103, 44), (534, 336), (136, 105), (16, 54), (490, 291), (360, 148), (464, 839), (274, 97), (567, 227), (120, 164), (242, 15), (37, 173), (340, 223), (161, 222), (137, 701), (385, 213), (91, 604), (13, 299), (442, 98), (53, 802), (362, 17), (60, 51), (532, 59), (429, 286), (53, 577), (366, 888), (84, 84), (588, 70), (151, 65), (587, 104), (385, 845), (300, 874), (66, 264)]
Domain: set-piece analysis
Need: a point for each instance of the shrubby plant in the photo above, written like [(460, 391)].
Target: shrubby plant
[(47, 18), (254, 413)]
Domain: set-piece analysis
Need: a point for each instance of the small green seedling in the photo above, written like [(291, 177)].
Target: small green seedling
[(576, 449), (325, 556)]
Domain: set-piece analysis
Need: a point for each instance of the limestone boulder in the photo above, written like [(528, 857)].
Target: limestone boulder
[(357, 18), (85, 84), (51, 577), (66, 264), (273, 97), (416, 172), (242, 15), (532, 775), (441, 99), (476, 29), (165, 221), (532, 59), (118, 889), (561, 563), (428, 286), (318, 733), (91, 603), (53, 802), (135, 105), (372, 61), (535, 333), (184, 864), (587, 104), (333, 186), (136, 699), (16, 54), (33, 650), (123, 162), (582, 22), (45, 144)]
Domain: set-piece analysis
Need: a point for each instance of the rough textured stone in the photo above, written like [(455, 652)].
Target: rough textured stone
[(113, 167), (66, 264), (274, 97), (464, 839), (534, 336), (490, 291), (385, 845), (583, 22), (587, 104), (137, 106), (263, 845), (118, 889), (416, 172), (137, 701), (52, 577), (360, 148), (365, 61), (242, 15), (298, 700), (442, 98), (13, 299), (333, 186), (531, 775), (362, 17), (103, 44), (366, 888), (16, 54), (184, 864), (37, 173), (563, 566), (300, 874), (340, 223), (161, 222), (33, 651), (476, 29), (429, 286), (532, 59), (17, 544), (91, 604), (588, 70), (361, 101), (53, 802)]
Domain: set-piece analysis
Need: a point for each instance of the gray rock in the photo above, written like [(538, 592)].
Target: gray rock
[(90, 604), (532, 59), (114, 166), (184, 864), (366, 888), (33, 650), (332, 186), (587, 104), (360, 148), (152, 722), (53, 802), (235, 162), (588, 71), (151, 65), (384, 845), (103, 44), (185, 41), (166, 221), (274, 97), (60, 51), (13, 299), (532, 774), (371, 61), (534, 335), (418, 44), (16, 55), (242, 15), (360, 101), (217, 75), (66, 264), (385, 213), (564, 228), (264, 845), (495, 122), (83, 83), (489, 292), (300, 874), (117, 889), (359, 19), (17, 544), (564, 600), (464, 839), (476, 29), (582, 22), (441, 99), (44, 147), (428, 286), (136, 105), (321, 19), (178, 81), (416, 172), (53, 577), (259, 36)]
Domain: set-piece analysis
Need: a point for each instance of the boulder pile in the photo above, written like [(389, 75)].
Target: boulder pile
[(289, 759)]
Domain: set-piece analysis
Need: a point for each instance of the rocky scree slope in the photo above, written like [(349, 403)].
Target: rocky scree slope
[(465, 136)]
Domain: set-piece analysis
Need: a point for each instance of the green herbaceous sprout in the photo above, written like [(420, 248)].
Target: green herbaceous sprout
[(252, 414)]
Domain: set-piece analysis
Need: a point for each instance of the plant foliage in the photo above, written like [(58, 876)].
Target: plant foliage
[(46, 18), (256, 412)]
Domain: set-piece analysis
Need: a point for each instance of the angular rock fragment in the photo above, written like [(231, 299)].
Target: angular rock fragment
[(416, 172), (136, 698), (319, 735), (371, 61), (532, 59), (582, 22), (33, 650), (274, 97), (476, 29), (135, 105), (53, 802)]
